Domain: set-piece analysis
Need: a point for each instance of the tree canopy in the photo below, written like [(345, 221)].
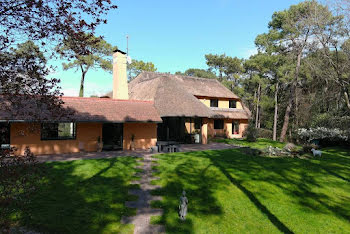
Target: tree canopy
[(137, 66), (85, 54)]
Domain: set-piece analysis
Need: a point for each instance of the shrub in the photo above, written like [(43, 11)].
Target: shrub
[(251, 132), (264, 133), (325, 135), (307, 148), (19, 177)]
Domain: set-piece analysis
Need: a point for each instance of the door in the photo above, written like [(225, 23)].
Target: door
[(112, 136)]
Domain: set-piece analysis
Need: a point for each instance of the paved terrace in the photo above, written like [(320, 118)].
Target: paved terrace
[(135, 153)]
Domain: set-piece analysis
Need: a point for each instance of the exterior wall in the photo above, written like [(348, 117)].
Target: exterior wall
[(189, 126), (204, 131), (28, 134), (205, 101), (243, 124), (227, 131), (145, 135), (222, 103)]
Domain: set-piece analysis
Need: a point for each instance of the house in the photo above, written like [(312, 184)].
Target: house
[(152, 107), (190, 104)]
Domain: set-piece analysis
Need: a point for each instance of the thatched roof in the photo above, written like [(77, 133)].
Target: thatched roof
[(230, 113), (176, 95)]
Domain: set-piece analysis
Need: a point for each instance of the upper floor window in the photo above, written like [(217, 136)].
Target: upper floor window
[(214, 103), (58, 131), (233, 104)]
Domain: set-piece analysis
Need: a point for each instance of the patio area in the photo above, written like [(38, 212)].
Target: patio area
[(134, 153)]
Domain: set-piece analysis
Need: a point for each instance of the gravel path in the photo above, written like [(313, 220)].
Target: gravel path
[(144, 210)]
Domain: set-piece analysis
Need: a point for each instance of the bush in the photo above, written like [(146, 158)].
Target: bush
[(19, 177), (251, 132), (265, 133), (307, 148), (324, 135)]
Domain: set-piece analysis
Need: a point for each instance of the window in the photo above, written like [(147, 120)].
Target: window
[(197, 123), (214, 103), (235, 127), (218, 124), (58, 131), (233, 104)]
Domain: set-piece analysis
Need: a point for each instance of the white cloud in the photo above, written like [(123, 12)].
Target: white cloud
[(249, 52)]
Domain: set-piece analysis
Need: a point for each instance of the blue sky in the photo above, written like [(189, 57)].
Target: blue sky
[(175, 35)]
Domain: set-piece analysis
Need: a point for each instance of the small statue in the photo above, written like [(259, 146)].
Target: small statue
[(183, 206)]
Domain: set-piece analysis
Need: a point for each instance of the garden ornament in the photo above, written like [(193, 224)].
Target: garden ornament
[(183, 206)]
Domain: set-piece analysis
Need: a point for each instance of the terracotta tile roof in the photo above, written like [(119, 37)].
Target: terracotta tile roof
[(112, 110), (100, 110)]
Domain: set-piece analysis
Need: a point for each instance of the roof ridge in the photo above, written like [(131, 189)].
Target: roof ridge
[(108, 99), (169, 74)]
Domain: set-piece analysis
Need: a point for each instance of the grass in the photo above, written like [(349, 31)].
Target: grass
[(230, 192), (83, 196), (261, 143)]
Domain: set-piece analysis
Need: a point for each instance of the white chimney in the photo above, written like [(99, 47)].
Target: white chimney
[(120, 81)]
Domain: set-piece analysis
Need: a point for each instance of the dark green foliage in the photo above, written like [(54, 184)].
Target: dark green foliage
[(251, 132), (264, 133), (307, 148), (19, 179), (196, 72), (84, 52), (137, 66)]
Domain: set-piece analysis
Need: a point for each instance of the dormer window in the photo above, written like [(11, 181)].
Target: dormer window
[(214, 103), (233, 104)]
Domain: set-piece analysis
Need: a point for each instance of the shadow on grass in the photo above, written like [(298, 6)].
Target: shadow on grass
[(303, 181), (335, 161), (274, 220), (83, 196), (199, 179)]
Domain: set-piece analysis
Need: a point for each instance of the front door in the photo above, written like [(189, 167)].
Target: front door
[(112, 136)]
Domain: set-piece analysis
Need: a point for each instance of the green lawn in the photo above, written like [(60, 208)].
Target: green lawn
[(261, 143), (83, 196), (230, 192)]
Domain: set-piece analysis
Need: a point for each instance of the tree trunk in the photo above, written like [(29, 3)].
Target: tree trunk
[(257, 108), (347, 99), (83, 73), (291, 99), (274, 137)]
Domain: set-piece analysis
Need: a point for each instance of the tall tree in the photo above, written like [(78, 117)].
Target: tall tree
[(85, 54), (294, 29), (137, 66), (196, 72), (228, 68), (217, 63)]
